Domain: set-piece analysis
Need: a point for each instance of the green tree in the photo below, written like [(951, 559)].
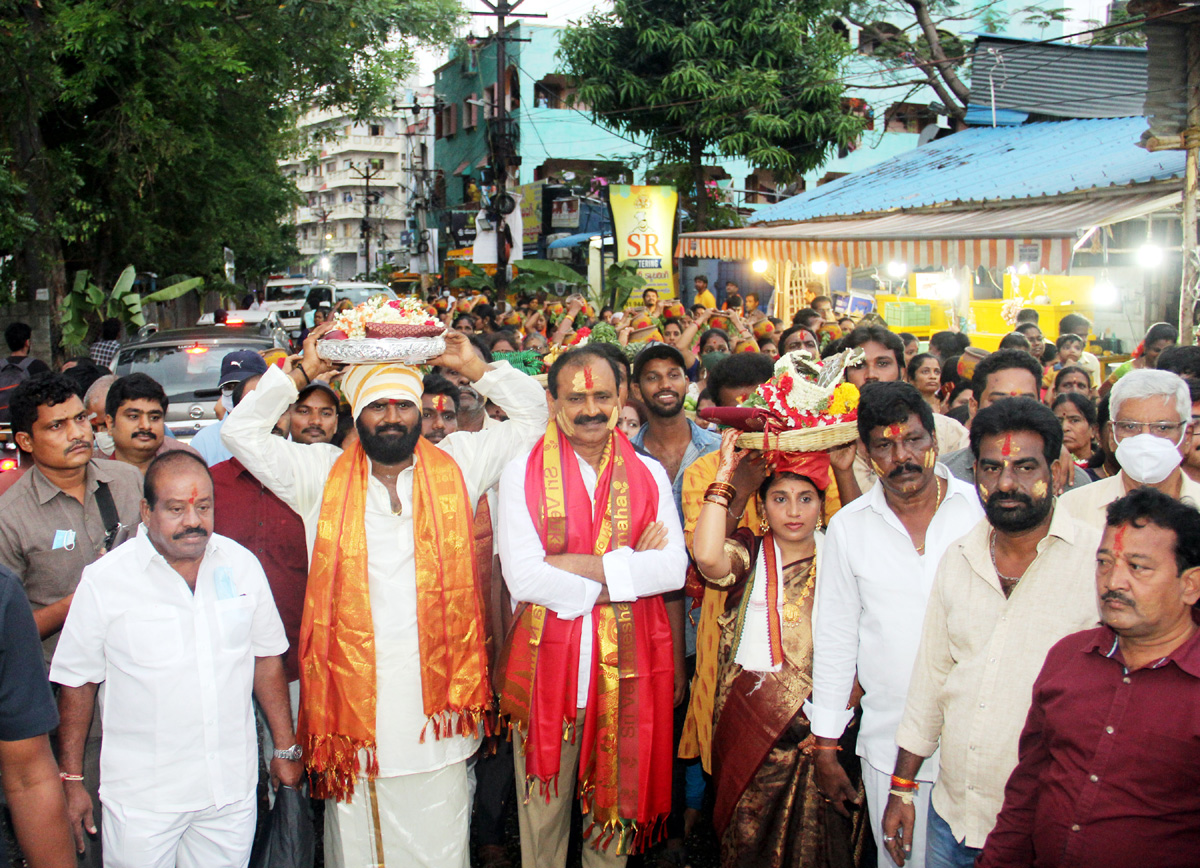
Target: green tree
[(756, 79), (921, 35), (146, 131)]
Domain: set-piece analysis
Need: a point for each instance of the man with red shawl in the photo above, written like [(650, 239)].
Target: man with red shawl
[(590, 540)]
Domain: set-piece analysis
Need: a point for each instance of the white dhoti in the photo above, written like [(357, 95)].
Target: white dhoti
[(407, 820)]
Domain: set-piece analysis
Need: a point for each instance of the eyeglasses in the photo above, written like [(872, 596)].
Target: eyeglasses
[(1166, 430)]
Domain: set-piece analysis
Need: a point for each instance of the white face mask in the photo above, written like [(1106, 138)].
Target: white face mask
[(227, 403), (1148, 459), (103, 442)]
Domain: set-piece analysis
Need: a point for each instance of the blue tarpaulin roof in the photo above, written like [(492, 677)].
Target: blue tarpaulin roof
[(573, 240), (988, 164)]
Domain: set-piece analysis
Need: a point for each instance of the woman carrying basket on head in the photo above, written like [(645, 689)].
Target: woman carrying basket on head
[(768, 810)]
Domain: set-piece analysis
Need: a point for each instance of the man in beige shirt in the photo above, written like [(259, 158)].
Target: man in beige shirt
[(1151, 414), (52, 520), (1004, 594)]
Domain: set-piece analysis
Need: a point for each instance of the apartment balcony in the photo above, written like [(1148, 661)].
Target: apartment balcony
[(369, 144)]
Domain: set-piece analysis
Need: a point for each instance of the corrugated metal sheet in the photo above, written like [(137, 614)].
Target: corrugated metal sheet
[(991, 165), (1166, 91), (1057, 79), (988, 237)]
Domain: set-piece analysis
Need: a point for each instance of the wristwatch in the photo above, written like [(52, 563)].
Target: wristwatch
[(293, 753)]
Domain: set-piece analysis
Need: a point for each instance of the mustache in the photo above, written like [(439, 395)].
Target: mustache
[(149, 434), (908, 467), (1117, 597), (390, 428), (1019, 496), (599, 419), (191, 531)]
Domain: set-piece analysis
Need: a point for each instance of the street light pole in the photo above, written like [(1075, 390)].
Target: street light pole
[(500, 138)]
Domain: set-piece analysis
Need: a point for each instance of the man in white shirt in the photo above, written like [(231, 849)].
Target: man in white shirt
[(392, 607), (873, 582), (590, 539), (180, 626), (1151, 414), (1005, 593)]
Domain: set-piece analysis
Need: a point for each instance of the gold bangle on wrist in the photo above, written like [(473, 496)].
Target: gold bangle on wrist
[(721, 489)]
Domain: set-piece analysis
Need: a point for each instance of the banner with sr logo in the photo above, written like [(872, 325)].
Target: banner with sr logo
[(644, 232)]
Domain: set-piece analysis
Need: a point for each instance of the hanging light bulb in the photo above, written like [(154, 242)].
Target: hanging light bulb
[(897, 269), (820, 267), (760, 266), (1150, 255)]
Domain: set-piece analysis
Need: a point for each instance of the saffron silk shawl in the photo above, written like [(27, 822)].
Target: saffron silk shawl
[(337, 637), (625, 755)]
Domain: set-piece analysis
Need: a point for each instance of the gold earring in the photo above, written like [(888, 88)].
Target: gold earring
[(763, 524)]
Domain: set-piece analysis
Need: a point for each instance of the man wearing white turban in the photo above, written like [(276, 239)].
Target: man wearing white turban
[(393, 671)]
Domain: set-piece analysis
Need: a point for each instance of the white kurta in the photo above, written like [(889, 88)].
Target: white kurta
[(296, 473)]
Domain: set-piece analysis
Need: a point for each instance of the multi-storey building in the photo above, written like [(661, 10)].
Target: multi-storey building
[(360, 179)]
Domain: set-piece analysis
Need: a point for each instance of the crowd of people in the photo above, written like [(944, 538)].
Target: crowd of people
[(530, 578)]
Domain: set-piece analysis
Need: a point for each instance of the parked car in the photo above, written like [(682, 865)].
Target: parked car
[(11, 464), (336, 292), (285, 296), (187, 362), (266, 322)]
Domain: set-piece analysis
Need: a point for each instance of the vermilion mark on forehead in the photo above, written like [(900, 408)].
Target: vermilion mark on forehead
[(439, 403), (588, 380), (1119, 541), (894, 431), (195, 493), (1006, 449)]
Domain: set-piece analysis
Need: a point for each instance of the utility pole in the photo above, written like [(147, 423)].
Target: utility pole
[(1191, 177), (367, 172), (500, 137)]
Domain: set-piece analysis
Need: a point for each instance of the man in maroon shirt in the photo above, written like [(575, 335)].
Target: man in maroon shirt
[(250, 514), (1109, 769)]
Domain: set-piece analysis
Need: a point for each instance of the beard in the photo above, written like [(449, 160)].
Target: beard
[(1016, 519), (390, 443), (665, 412)]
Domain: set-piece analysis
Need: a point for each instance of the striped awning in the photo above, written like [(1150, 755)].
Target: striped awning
[(1044, 234)]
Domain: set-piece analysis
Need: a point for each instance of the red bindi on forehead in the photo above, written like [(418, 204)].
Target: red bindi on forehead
[(894, 431), (1119, 541), (439, 403), (195, 494), (1006, 449)]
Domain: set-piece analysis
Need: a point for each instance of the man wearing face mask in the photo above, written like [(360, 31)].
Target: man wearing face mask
[(236, 367), (94, 399), (1004, 594), (1151, 414)]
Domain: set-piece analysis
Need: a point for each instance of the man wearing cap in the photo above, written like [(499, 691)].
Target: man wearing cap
[(392, 659), (315, 414), (235, 367)]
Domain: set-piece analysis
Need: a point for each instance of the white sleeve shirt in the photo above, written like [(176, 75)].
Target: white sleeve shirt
[(177, 669), (297, 473), (629, 575), (872, 592)]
